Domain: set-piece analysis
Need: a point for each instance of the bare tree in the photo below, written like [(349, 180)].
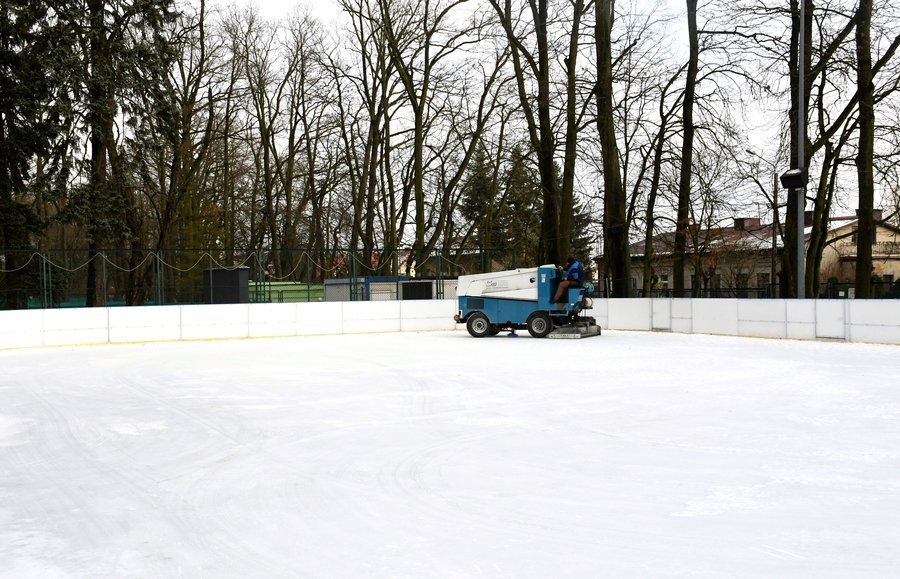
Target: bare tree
[(425, 49), (615, 225), (532, 66), (365, 88)]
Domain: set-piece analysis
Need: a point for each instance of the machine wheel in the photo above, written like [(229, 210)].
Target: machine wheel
[(478, 325), (539, 324)]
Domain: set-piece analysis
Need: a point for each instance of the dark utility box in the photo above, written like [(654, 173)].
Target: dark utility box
[(415, 290), (226, 286)]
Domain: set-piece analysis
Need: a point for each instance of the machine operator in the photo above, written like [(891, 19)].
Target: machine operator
[(573, 276)]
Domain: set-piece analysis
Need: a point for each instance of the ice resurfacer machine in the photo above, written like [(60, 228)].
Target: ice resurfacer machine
[(522, 299)]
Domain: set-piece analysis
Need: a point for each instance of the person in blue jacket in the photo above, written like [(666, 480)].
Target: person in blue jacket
[(572, 277)]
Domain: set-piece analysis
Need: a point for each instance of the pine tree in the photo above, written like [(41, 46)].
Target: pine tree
[(27, 130), (123, 51), (581, 237), (523, 198), (480, 205)]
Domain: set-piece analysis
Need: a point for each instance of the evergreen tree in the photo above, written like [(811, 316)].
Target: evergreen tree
[(480, 205), (580, 240), (124, 52), (523, 198), (27, 130)]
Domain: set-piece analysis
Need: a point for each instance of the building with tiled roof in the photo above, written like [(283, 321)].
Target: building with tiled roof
[(744, 259)]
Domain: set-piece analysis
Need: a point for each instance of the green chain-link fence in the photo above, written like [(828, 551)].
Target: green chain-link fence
[(118, 277)]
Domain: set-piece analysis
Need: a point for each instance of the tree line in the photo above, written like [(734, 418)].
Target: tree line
[(539, 127)]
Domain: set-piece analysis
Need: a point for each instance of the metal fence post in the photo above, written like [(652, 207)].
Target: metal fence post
[(158, 280), (262, 274), (104, 284), (439, 283), (46, 282), (42, 280), (209, 267), (308, 276), (263, 288), (354, 290)]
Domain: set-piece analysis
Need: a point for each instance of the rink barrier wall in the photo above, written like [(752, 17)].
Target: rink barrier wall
[(874, 321), (871, 321), (82, 326)]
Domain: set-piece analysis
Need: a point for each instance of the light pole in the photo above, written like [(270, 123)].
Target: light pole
[(774, 226), (800, 191), (795, 182)]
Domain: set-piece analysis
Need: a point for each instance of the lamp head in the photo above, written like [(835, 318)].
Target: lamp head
[(795, 179)]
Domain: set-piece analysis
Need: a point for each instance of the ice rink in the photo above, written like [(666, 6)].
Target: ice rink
[(439, 455)]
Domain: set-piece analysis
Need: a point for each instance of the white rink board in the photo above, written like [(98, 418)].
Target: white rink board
[(367, 317), (870, 323), (875, 321), (716, 316), (76, 326), (213, 322), (762, 318), (630, 314), (320, 318), (418, 315), (147, 324), (21, 329)]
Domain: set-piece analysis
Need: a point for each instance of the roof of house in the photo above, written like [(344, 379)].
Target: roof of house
[(755, 237), (746, 234)]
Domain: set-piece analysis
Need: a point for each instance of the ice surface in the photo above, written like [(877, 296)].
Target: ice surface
[(440, 455)]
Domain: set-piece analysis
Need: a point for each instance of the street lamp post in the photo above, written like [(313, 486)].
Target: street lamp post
[(800, 192), (774, 227), (795, 182)]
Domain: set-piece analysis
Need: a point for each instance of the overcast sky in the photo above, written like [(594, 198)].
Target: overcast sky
[(324, 10), (327, 9)]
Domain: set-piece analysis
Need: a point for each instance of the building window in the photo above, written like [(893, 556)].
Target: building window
[(888, 277), (742, 280), (664, 281), (762, 280), (853, 236)]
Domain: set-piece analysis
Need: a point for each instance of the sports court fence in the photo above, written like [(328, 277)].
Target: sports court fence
[(120, 277)]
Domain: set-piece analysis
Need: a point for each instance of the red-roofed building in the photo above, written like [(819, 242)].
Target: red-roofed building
[(744, 260)]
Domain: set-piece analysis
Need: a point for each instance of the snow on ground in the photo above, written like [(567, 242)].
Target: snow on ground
[(439, 455)]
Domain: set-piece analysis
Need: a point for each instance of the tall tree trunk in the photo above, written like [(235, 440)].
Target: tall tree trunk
[(687, 154), (540, 129), (550, 249), (615, 230), (864, 160), (566, 203), (99, 86)]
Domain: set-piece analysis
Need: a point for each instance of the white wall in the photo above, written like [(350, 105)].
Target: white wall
[(875, 321), (63, 327), (850, 320)]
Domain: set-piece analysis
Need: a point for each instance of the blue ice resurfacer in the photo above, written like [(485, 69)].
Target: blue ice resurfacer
[(521, 299)]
